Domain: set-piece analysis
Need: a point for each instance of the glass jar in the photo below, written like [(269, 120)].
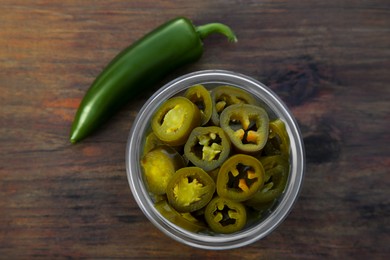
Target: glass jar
[(276, 109)]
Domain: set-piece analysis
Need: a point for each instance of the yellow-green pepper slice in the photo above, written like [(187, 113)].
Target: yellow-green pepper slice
[(207, 147), (276, 175), (190, 189), (183, 220), (225, 216), (174, 120), (158, 166), (278, 140), (201, 97), (225, 96), (151, 142), (240, 177), (247, 126)]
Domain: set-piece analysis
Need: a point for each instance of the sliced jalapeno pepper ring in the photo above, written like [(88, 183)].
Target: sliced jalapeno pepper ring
[(246, 126), (207, 147), (240, 177), (276, 174), (201, 97), (225, 216), (151, 142), (278, 141), (190, 189), (159, 165), (184, 220), (175, 119), (224, 96)]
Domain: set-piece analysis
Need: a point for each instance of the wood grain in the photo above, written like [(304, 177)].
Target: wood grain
[(328, 60)]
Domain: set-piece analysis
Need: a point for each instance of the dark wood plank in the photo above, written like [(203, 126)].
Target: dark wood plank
[(328, 60)]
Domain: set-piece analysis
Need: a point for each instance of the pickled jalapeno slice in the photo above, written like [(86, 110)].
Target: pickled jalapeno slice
[(278, 141), (183, 220), (190, 189), (207, 147), (175, 119), (159, 165), (225, 96), (247, 127), (276, 175), (151, 142), (201, 97), (225, 216), (240, 177)]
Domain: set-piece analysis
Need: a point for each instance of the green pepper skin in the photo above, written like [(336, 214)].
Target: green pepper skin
[(138, 67)]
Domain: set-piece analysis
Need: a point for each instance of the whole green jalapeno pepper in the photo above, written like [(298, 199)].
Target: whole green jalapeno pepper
[(207, 147), (190, 189), (138, 67), (247, 127), (240, 177), (225, 216)]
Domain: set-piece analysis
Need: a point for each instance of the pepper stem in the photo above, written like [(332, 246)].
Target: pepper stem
[(207, 29)]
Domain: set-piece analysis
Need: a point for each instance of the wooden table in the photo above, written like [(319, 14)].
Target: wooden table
[(328, 60)]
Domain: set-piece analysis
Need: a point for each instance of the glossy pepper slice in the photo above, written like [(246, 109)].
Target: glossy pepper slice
[(190, 189), (201, 97), (276, 175), (174, 120), (240, 177), (225, 216), (247, 126), (278, 140), (225, 96), (138, 67), (151, 142), (183, 220), (207, 147), (159, 165)]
